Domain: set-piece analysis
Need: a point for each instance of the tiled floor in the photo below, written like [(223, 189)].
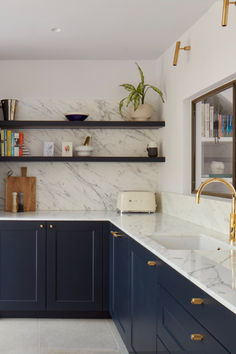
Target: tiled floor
[(59, 336)]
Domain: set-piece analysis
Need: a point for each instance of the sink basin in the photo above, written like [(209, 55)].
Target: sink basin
[(200, 242)]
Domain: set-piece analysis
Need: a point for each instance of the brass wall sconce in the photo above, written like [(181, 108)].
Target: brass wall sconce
[(225, 12), (177, 49)]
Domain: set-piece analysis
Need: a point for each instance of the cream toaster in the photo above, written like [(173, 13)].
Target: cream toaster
[(136, 202)]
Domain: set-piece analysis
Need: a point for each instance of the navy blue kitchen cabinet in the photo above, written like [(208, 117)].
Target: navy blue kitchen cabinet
[(120, 282), (193, 311), (74, 266), (22, 266), (179, 332), (143, 299), (168, 313)]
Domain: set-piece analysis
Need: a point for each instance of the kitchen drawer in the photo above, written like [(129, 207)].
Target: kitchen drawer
[(178, 331), (211, 314)]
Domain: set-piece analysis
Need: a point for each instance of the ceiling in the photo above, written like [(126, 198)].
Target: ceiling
[(94, 29)]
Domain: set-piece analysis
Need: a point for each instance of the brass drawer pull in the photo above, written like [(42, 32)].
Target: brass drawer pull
[(41, 226), (196, 337), (151, 263), (116, 234), (196, 301), (51, 226)]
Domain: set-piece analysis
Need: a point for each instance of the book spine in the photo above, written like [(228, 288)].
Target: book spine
[(16, 144), (211, 131), (21, 140), (203, 120), (5, 142), (12, 144), (2, 143), (220, 124), (230, 124), (207, 119), (8, 142)]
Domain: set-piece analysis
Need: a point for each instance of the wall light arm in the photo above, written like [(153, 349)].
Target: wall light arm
[(225, 12), (177, 49)]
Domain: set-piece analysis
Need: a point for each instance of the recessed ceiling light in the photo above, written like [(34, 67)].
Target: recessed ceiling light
[(56, 29)]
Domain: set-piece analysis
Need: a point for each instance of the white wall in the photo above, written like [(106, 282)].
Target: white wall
[(210, 63), (70, 79)]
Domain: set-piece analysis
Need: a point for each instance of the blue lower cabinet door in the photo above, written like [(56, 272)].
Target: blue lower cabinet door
[(22, 270), (74, 266), (180, 332), (161, 349), (143, 300), (120, 283)]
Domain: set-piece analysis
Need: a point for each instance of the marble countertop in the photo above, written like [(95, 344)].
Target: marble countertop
[(212, 271)]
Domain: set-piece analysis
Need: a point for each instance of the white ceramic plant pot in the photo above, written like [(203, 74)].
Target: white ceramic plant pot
[(143, 112)]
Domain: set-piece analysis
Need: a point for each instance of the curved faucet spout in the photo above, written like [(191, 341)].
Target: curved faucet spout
[(233, 192)]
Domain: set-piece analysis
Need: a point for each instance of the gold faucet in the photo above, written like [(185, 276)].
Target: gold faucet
[(232, 235)]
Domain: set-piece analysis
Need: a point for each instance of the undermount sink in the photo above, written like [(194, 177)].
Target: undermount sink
[(200, 242)]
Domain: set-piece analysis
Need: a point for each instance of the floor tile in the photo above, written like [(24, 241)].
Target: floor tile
[(69, 336), (19, 336)]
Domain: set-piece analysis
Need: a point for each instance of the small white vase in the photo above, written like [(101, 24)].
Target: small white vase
[(143, 112)]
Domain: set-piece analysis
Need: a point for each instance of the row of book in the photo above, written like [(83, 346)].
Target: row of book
[(224, 125), (214, 124), (11, 143)]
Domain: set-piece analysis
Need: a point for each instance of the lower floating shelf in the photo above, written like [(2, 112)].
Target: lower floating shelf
[(81, 159)]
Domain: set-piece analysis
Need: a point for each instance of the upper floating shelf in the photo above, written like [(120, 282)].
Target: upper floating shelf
[(50, 124)]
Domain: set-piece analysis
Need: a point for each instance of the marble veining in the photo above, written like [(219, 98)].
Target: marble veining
[(213, 213), (213, 271), (83, 186)]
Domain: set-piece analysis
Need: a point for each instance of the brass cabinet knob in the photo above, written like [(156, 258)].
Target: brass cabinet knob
[(196, 337), (196, 301), (151, 263), (41, 226), (51, 226), (116, 234)]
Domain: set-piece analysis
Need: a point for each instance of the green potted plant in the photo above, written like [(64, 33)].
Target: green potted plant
[(139, 110)]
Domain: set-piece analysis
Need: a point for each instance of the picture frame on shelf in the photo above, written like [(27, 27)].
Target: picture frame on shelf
[(67, 149), (48, 148)]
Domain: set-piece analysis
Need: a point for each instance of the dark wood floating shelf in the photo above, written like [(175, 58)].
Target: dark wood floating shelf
[(36, 124), (82, 159)]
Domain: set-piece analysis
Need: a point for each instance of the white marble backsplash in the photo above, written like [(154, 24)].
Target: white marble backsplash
[(83, 186), (213, 213)]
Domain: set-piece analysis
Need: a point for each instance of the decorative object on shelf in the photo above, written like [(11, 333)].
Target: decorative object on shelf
[(21, 202), (48, 148), (152, 149), (9, 108), (85, 149), (177, 49), (140, 110), (217, 167), (24, 184), (67, 148), (76, 116), (14, 202), (225, 12)]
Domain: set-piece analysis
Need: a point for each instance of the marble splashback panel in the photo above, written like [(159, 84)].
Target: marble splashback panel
[(212, 213), (83, 186)]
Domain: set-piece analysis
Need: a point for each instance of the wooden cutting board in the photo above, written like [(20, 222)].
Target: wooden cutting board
[(24, 184)]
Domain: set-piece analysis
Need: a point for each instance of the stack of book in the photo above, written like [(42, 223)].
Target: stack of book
[(11, 143), (215, 124)]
